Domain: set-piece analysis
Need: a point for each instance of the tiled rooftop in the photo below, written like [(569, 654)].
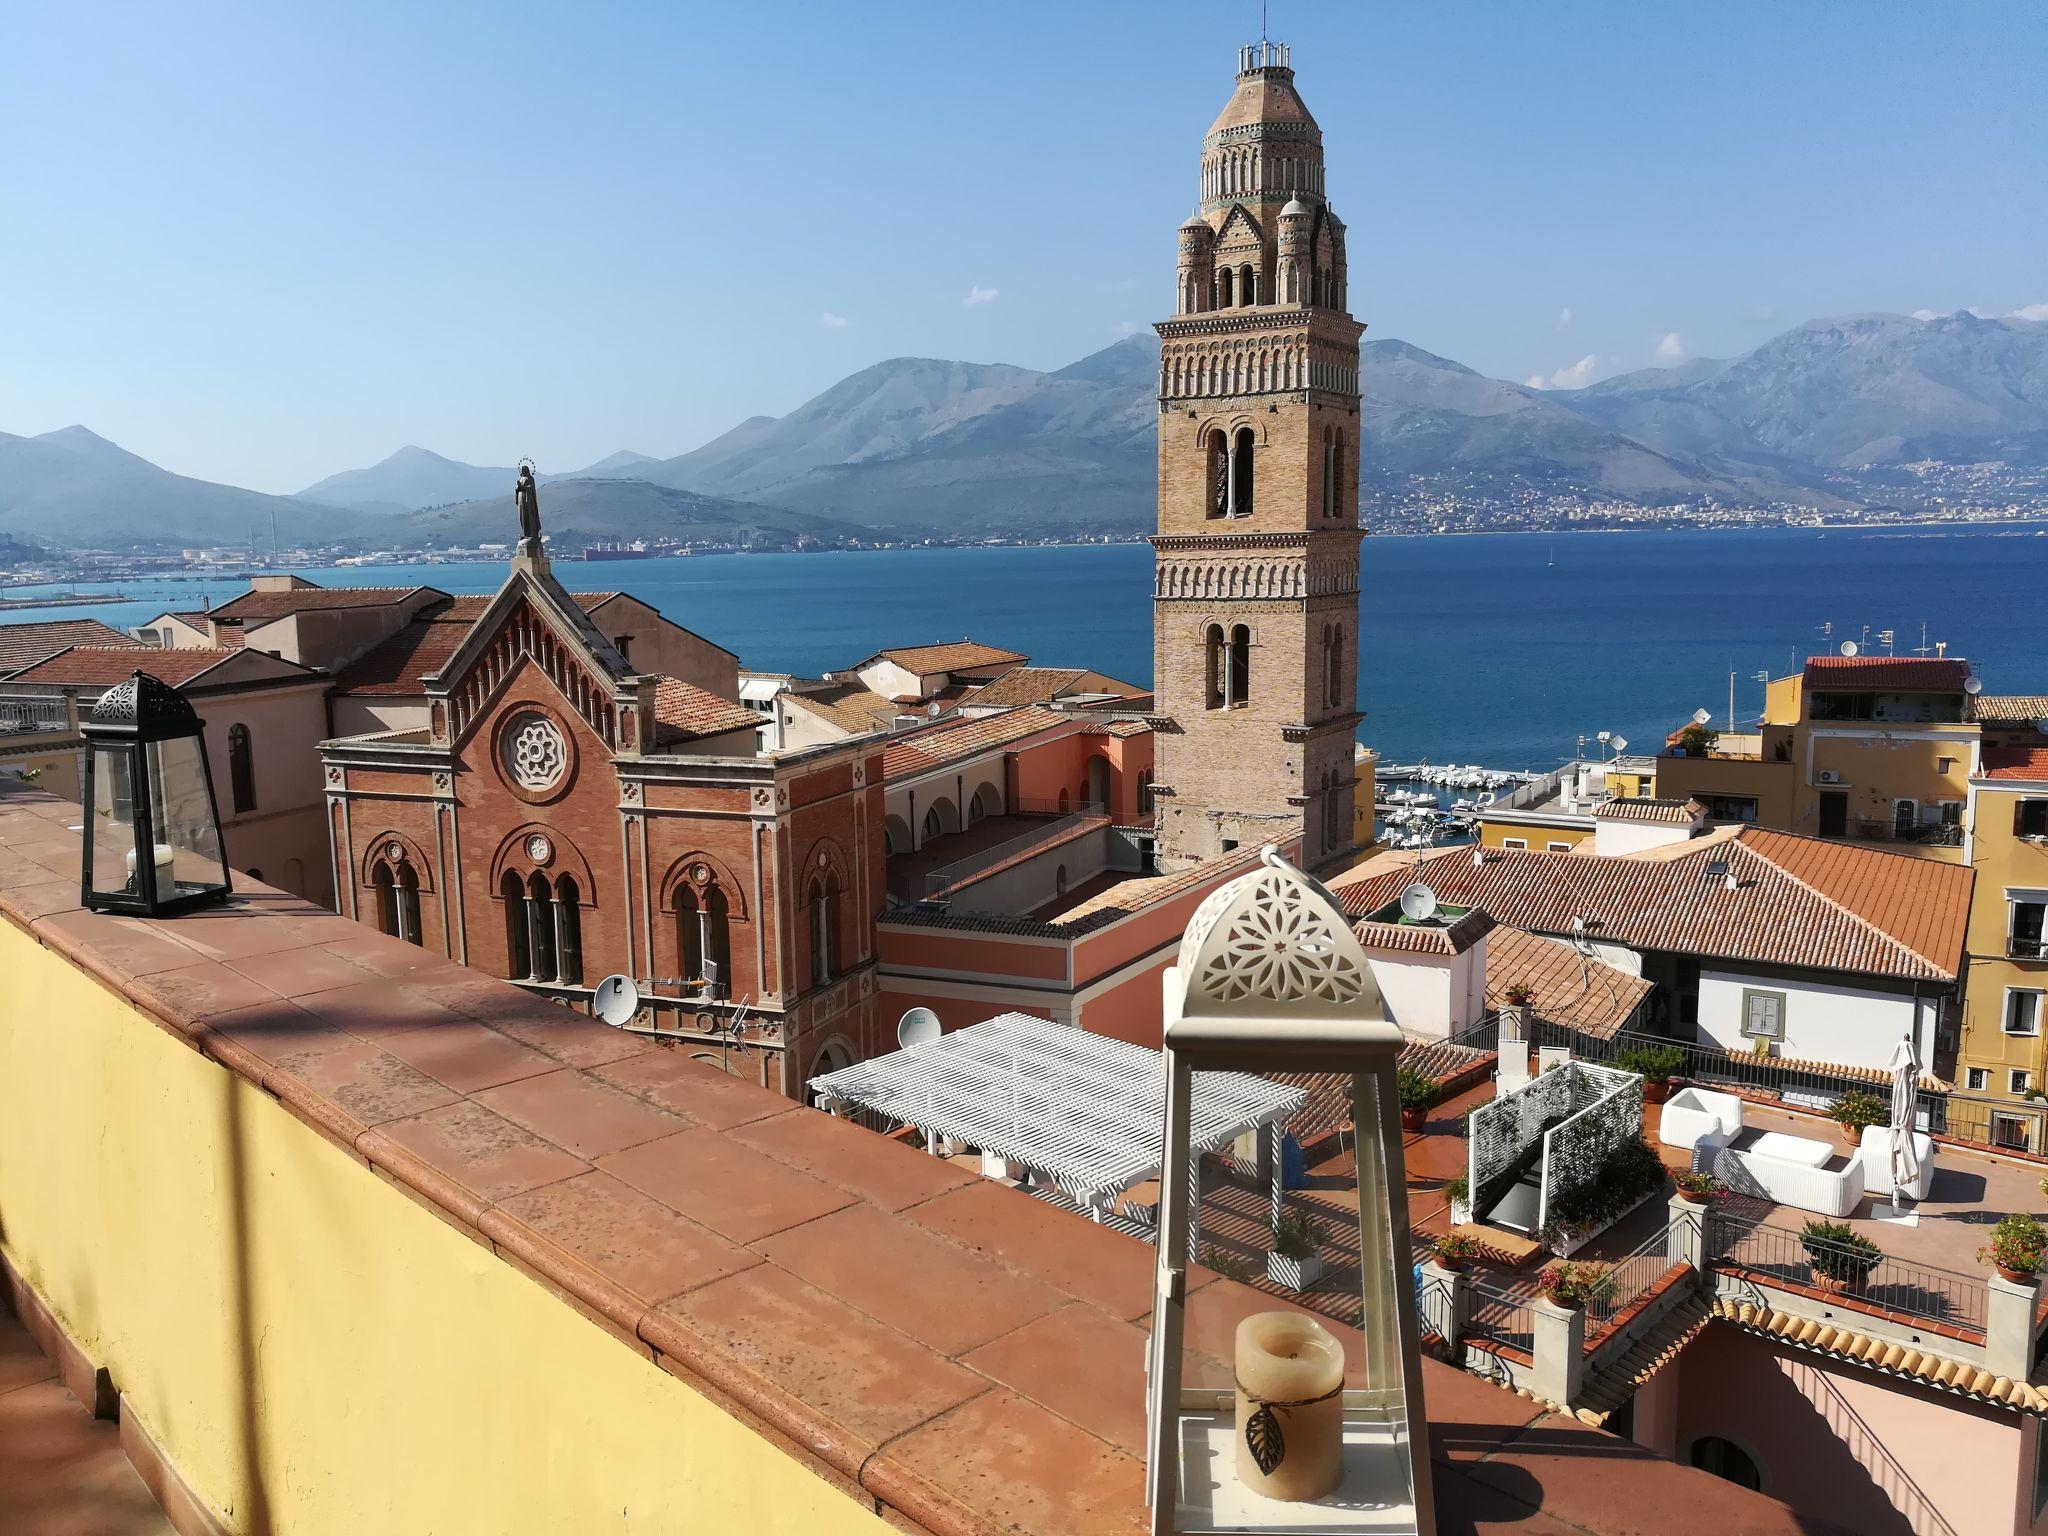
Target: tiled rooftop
[(261, 607), (1888, 674), (2009, 708), (398, 663), (970, 1357), (1571, 989), (957, 740), (684, 712), (23, 643), (1041, 685), (2027, 763), (1675, 813), (101, 666), (952, 656)]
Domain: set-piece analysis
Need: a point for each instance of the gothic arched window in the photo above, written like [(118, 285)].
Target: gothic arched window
[(1218, 481), (689, 934), (824, 907), (1217, 668), (1247, 285), (518, 928), (1336, 507), (386, 890), (540, 924), (241, 769), (407, 896), (1240, 684), (568, 934), (1241, 473), (1225, 287)]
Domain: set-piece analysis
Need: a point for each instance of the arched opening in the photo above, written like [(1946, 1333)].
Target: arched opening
[(717, 941), (1215, 689), (568, 934), (977, 808), (895, 835), (941, 817), (1098, 782), (1724, 1458), (1329, 472), (1218, 479), (540, 925), (241, 769), (689, 934), (386, 890), (1241, 472), (1247, 285), (1240, 686), (518, 929), (1225, 287), (1059, 881), (408, 902), (834, 1056), (1336, 507), (824, 910)]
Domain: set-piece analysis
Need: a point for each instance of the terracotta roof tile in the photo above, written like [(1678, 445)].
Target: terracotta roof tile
[(261, 607), (853, 707), (1041, 685), (1571, 989), (1884, 1354), (1888, 674), (957, 656), (2009, 708), (1452, 938), (2016, 763), (21, 644), (396, 664), (685, 712), (101, 666), (1796, 900), (1675, 813), (953, 741)]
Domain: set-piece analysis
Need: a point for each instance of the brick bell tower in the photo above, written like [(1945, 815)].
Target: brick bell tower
[(1255, 587)]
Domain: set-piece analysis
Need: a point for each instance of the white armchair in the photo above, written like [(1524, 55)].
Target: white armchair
[(1692, 1113), (1875, 1153), (1791, 1181)]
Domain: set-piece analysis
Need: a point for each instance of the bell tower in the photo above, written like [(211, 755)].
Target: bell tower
[(1255, 579)]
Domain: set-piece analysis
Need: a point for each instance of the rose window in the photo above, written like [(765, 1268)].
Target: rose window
[(535, 754)]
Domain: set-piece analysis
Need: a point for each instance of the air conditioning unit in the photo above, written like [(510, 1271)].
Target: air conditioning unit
[(1828, 776)]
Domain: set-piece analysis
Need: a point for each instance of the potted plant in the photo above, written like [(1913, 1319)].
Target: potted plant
[(1568, 1285), (1459, 1192), (1418, 1093), (1698, 1188), (1455, 1250), (1695, 741), (1840, 1257), (1231, 1266), (1856, 1111), (1656, 1065), (1297, 1257), (2016, 1247)]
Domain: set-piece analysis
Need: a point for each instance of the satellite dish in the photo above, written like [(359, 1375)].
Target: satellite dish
[(1418, 903), (1850, 647), (615, 1000), (1620, 743), (917, 1027), (1701, 717), (2041, 725), (1973, 685)]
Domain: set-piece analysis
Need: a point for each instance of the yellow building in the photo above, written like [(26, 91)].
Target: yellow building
[(1862, 748), (1999, 1054), (1366, 770)]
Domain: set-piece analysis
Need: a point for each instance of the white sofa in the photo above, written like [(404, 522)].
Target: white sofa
[(1796, 1182), (1692, 1113), (1875, 1153)]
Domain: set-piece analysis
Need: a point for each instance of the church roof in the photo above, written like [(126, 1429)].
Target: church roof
[(685, 712), (398, 664), (254, 607), (21, 644)]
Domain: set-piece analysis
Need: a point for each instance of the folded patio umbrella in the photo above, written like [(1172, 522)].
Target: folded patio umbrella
[(1905, 1067)]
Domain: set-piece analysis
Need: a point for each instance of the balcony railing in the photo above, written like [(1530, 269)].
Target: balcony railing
[(1500, 1315), (1938, 834), (34, 714), (1920, 1291), (1624, 1283), (1055, 827)]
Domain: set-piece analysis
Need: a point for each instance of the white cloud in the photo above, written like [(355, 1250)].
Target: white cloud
[(1926, 314), (1564, 317), (833, 322), (977, 296), (2028, 312), (1670, 347), (1575, 376)]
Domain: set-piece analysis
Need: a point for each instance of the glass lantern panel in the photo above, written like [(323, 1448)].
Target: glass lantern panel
[(181, 817), (112, 823)]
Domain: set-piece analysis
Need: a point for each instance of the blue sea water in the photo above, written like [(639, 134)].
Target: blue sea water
[(1474, 648)]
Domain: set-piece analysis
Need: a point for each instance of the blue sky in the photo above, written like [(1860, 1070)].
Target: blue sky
[(262, 243)]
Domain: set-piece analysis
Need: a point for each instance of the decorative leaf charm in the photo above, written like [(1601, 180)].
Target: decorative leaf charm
[(1263, 1439)]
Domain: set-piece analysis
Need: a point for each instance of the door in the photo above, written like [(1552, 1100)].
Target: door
[(1834, 813)]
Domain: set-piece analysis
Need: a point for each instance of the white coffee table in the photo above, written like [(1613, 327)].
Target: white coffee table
[(1802, 1150)]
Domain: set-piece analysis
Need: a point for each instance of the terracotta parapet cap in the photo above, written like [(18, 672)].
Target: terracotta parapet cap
[(756, 1249)]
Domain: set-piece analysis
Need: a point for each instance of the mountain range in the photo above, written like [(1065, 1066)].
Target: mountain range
[(1874, 411)]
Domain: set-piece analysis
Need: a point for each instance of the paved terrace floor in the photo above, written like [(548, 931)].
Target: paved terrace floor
[(986, 1377), (910, 873)]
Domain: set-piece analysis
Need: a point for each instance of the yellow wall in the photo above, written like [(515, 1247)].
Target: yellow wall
[(1367, 771), (1625, 784), (315, 1351), (1771, 783), (55, 771), (1495, 834), (2000, 860), (1889, 763)]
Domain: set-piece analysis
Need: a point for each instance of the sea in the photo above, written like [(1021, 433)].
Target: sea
[(1496, 649)]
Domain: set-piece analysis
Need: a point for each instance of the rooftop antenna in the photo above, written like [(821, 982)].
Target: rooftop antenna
[(1887, 639), (615, 1000), (1923, 647), (1827, 630), (919, 1026)]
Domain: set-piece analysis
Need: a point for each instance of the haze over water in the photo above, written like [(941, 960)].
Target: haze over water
[(1473, 650)]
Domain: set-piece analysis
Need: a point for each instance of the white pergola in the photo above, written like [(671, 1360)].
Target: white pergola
[(1086, 1111)]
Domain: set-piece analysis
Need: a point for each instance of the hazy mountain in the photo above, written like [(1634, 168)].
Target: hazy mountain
[(1854, 398), (623, 465), (72, 487), (580, 512), (412, 477)]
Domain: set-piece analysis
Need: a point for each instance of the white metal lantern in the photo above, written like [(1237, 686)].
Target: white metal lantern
[(1309, 1426)]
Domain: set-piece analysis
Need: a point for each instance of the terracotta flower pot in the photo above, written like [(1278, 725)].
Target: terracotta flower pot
[(2016, 1276), (1692, 1199), (1834, 1285), (1414, 1119), (1656, 1090)]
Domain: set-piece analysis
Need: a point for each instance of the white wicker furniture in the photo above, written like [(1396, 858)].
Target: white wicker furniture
[(1792, 1181), (1692, 1113), (1875, 1152)]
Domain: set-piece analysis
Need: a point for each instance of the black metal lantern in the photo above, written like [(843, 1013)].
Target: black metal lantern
[(152, 833)]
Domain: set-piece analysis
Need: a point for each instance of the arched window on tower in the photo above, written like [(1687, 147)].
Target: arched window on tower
[(1337, 473), (568, 934), (1335, 664), (518, 928), (1241, 473), (824, 906), (241, 769), (1329, 472), (540, 925), (1247, 285), (1218, 481), (1240, 684), (1216, 663), (1224, 289)]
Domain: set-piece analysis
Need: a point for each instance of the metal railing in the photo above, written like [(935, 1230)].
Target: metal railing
[(946, 876), (1625, 1282), (1932, 834), (1854, 1272), (1498, 1314), (24, 715), (1433, 1304)]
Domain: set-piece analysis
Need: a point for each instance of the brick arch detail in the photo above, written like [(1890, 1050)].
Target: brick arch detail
[(568, 860), (373, 855), (722, 874), (833, 859)]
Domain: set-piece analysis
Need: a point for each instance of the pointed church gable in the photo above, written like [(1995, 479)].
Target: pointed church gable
[(1240, 231), (488, 661)]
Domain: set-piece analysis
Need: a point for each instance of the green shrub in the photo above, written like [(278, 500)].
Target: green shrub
[(1418, 1090), (1629, 1172), (1297, 1235), (1858, 1110), (1658, 1063), (2017, 1243), (1460, 1189), (1231, 1266), (1838, 1252)]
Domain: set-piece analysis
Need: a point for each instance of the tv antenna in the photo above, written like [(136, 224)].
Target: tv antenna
[(1923, 647), (920, 1026), (615, 1000), (1418, 903), (1827, 630), (1887, 638)]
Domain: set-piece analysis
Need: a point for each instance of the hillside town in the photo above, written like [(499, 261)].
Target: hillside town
[(965, 1091)]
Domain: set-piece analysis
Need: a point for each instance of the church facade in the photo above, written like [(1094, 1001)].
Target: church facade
[(1255, 600)]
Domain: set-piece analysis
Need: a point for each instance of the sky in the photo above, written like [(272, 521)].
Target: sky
[(263, 243)]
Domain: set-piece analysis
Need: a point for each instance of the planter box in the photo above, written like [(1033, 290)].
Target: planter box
[(1461, 1213), (1575, 1238), (1295, 1274)]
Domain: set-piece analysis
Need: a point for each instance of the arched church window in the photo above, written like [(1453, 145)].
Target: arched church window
[(824, 911), (689, 933), (1337, 472), (1216, 663), (1225, 286), (518, 928), (1247, 285), (568, 933), (1240, 684), (241, 769), (386, 891), (1218, 480), (540, 924), (1241, 473), (407, 901)]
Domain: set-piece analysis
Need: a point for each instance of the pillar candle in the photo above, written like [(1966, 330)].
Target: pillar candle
[(1290, 1379)]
